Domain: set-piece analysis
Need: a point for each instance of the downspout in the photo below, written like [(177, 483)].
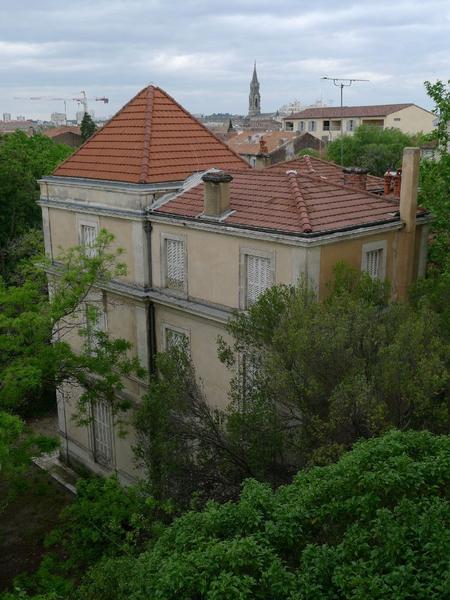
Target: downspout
[(151, 329)]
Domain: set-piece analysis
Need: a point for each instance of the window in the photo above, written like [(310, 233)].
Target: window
[(88, 235), (175, 264), (301, 126), (374, 259), (397, 119), (95, 322), (326, 125), (350, 124), (257, 274), (175, 338), (102, 432), (289, 126), (311, 126)]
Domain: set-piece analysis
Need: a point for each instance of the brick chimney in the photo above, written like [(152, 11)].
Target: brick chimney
[(216, 199), (355, 177), (408, 209), (392, 182)]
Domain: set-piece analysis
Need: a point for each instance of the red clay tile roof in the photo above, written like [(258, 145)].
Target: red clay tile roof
[(378, 110), (247, 142), (288, 203), (54, 131), (309, 165), (151, 139)]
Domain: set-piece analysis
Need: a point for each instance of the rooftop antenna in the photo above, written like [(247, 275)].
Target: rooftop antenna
[(342, 83)]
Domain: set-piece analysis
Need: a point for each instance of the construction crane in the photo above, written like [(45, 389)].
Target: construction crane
[(81, 100)]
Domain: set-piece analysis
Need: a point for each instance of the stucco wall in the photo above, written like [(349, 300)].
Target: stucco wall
[(412, 120)]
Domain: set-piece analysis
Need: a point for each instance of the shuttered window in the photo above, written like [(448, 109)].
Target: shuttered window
[(258, 277), (175, 264), (176, 339), (88, 233), (95, 322), (102, 432), (373, 263)]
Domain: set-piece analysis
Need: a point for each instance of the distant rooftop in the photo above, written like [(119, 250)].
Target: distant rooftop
[(376, 110)]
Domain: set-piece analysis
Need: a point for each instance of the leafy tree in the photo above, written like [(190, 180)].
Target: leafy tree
[(31, 367), (88, 127), (310, 380), (23, 160), (372, 148), (374, 525)]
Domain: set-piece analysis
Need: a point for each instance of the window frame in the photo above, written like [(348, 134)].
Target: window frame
[(326, 127), (165, 326), (258, 253), (311, 125), (86, 221), (104, 461), (374, 247), (100, 304), (163, 250)]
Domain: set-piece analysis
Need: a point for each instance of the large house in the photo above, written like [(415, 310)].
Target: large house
[(328, 123), (204, 235), (277, 146)]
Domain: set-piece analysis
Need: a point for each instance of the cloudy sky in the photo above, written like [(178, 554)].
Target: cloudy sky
[(202, 51)]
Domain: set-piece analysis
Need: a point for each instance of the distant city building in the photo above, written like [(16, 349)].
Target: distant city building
[(327, 123), (21, 118), (6, 117), (58, 118)]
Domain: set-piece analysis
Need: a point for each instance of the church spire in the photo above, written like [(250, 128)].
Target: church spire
[(254, 99)]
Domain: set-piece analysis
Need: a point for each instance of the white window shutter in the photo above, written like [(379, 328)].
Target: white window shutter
[(102, 432), (176, 339), (373, 262), (88, 235), (259, 277), (175, 271)]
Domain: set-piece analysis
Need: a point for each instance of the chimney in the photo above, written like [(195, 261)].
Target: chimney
[(355, 177), (263, 157), (409, 187), (405, 255), (392, 182), (216, 200)]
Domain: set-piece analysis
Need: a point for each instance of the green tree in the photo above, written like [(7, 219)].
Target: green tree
[(374, 525), (31, 367), (372, 148), (23, 160), (88, 127)]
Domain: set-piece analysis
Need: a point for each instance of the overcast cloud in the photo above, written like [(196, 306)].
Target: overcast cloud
[(202, 51)]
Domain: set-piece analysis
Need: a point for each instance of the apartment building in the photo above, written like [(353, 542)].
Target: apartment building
[(205, 235), (328, 123)]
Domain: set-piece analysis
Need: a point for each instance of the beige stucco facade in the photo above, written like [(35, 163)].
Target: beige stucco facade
[(140, 308), (410, 120)]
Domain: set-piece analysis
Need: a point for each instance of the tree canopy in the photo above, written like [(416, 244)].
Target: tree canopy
[(88, 127), (372, 148)]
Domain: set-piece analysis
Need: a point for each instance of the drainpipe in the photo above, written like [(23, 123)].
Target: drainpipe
[(151, 330)]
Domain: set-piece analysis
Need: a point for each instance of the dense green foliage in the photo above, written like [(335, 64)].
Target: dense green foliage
[(374, 525), (23, 160), (88, 127), (372, 148)]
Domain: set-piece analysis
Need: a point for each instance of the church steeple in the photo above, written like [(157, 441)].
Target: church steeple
[(254, 99)]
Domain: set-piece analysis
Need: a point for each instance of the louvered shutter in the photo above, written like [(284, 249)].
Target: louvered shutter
[(102, 432), (88, 235), (373, 263), (259, 277), (175, 272)]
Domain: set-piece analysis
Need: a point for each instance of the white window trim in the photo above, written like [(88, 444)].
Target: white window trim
[(244, 252), (168, 326), (371, 247), (97, 300), (88, 222), (163, 263)]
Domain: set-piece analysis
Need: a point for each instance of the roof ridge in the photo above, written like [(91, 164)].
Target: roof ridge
[(99, 130), (300, 203), (202, 125), (147, 135)]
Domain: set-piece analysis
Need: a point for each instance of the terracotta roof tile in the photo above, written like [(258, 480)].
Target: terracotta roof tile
[(151, 139), (288, 202), (309, 165), (248, 141)]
